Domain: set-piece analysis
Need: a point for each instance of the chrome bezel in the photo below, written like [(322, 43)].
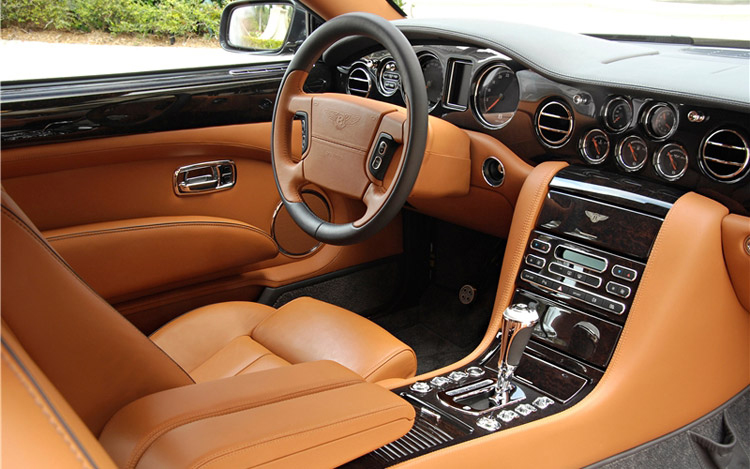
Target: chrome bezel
[(659, 154), (368, 75), (582, 147), (607, 110), (731, 178), (571, 119), (648, 115), (475, 94), (273, 226), (381, 70), (618, 154), (501, 168), (429, 55)]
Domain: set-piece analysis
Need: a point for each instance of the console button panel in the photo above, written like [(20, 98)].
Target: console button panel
[(580, 276)]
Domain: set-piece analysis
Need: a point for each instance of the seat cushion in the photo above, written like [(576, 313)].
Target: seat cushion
[(228, 339)]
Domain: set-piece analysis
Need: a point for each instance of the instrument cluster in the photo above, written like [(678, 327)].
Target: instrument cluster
[(636, 132), (482, 84)]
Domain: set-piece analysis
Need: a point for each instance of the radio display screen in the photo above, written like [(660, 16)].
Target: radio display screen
[(593, 263)]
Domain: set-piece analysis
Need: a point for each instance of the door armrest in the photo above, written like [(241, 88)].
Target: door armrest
[(122, 258)]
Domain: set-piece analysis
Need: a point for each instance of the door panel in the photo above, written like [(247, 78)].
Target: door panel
[(63, 186)]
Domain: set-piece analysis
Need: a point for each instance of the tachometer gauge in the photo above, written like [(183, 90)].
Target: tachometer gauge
[(594, 146), (618, 113), (671, 161), (433, 78), (632, 153), (496, 96), (660, 121)]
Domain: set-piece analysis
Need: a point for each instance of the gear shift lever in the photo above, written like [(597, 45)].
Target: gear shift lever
[(518, 322)]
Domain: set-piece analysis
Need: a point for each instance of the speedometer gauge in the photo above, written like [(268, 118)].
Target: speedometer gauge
[(496, 96)]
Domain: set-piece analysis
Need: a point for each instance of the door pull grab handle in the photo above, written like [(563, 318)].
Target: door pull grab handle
[(205, 178)]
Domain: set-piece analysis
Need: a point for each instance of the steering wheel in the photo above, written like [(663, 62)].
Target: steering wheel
[(358, 147)]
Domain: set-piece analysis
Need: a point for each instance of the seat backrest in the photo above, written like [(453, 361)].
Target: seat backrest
[(96, 359), (39, 427)]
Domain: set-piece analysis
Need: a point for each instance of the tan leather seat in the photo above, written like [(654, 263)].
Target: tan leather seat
[(100, 362), (234, 338)]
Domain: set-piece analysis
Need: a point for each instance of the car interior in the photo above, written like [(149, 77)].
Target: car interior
[(412, 242)]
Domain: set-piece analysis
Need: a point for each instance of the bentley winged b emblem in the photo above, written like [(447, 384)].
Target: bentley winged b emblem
[(341, 120), (595, 217)]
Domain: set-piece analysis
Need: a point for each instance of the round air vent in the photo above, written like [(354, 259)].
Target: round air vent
[(359, 82), (554, 123), (725, 155)]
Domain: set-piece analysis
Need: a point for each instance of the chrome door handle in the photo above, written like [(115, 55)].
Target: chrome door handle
[(203, 178)]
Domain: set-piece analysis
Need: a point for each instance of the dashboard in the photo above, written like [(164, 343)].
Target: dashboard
[(679, 143)]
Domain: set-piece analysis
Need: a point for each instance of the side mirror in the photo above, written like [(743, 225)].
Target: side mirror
[(263, 26)]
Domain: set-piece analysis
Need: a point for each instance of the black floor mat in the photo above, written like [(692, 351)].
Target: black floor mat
[(440, 329), (433, 351)]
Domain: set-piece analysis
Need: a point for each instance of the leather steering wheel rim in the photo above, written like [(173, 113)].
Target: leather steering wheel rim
[(383, 204)]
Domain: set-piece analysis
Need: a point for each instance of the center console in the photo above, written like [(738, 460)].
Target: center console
[(581, 269)]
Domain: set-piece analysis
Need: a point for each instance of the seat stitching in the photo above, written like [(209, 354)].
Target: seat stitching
[(385, 361), (218, 351), (218, 455), (255, 361), (175, 422), (185, 224), (225, 346), (515, 259), (50, 419)]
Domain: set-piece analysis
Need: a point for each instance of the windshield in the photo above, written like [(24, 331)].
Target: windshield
[(705, 19)]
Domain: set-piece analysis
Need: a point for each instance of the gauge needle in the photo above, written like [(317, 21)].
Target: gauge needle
[(596, 145), (671, 161), (632, 152), (493, 104)]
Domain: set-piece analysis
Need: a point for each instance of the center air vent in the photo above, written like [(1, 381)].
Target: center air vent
[(725, 155), (359, 82), (554, 123)]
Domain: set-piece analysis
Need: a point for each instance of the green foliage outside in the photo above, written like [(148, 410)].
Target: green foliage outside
[(157, 17), (260, 27), (263, 44)]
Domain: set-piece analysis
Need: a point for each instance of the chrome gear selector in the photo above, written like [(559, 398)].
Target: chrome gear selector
[(518, 322)]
